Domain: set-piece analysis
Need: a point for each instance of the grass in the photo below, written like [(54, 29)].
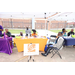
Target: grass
[(17, 31), (56, 31)]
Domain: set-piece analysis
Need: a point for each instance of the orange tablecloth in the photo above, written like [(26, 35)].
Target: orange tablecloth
[(20, 43)]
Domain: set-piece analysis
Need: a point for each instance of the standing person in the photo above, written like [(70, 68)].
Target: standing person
[(1, 29), (28, 31), (71, 32)]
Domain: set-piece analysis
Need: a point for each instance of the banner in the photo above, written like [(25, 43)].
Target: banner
[(31, 49)]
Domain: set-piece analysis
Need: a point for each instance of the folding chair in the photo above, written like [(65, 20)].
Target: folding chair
[(55, 50), (53, 36)]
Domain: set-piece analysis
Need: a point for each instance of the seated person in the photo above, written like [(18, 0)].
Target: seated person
[(34, 33), (57, 44), (64, 32), (1, 29), (71, 32), (7, 33), (21, 34)]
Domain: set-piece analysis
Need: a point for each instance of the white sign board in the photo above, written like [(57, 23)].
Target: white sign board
[(31, 49)]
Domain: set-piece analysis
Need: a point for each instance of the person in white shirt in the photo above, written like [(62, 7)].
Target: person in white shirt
[(57, 44), (28, 31)]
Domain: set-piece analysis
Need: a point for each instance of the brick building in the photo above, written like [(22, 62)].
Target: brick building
[(39, 23)]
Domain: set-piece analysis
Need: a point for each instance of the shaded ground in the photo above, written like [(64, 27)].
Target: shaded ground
[(67, 53)]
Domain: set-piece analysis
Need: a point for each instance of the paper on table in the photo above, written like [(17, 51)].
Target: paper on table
[(67, 37)]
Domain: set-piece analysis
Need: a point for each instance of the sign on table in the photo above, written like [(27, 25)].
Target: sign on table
[(31, 49)]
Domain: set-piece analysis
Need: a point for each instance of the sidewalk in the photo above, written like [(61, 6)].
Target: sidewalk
[(67, 53)]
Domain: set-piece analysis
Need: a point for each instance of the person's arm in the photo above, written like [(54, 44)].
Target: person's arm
[(59, 42), (73, 33)]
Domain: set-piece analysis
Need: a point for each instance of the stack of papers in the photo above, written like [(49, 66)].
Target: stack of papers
[(67, 37)]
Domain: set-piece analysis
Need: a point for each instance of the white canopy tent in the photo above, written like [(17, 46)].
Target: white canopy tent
[(23, 14), (63, 16)]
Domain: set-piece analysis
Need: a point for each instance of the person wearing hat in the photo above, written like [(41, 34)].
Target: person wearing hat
[(1, 29), (34, 33)]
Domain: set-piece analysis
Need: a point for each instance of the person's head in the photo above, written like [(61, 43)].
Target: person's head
[(72, 30), (21, 33), (63, 30), (27, 28), (6, 30), (59, 34), (34, 31)]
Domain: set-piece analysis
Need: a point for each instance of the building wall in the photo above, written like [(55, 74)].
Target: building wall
[(6, 23), (39, 23), (57, 24), (22, 23), (49, 24), (0, 21)]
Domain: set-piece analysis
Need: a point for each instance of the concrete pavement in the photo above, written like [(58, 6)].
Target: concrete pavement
[(67, 53)]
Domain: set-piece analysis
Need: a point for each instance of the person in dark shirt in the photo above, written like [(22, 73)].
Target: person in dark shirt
[(71, 32), (7, 33)]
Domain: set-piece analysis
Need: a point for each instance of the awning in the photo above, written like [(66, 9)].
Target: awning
[(63, 16)]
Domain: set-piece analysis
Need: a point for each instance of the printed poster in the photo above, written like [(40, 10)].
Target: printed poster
[(31, 49)]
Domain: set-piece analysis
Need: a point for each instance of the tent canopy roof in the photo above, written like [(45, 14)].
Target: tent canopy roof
[(64, 16), (60, 16), (25, 14)]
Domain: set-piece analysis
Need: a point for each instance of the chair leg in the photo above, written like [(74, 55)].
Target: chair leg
[(52, 51), (54, 54), (57, 53)]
